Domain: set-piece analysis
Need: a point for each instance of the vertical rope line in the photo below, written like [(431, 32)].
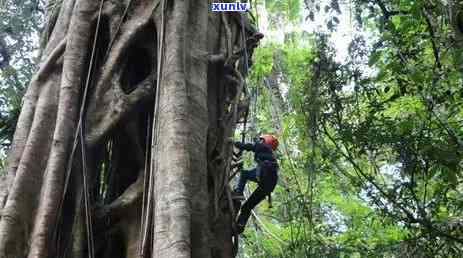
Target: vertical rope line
[(245, 71), (88, 215), (312, 124), (145, 182), (154, 163), (145, 218), (79, 134), (292, 167), (243, 36), (149, 215), (243, 136)]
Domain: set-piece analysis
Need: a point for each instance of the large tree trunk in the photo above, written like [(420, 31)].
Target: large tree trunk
[(198, 99)]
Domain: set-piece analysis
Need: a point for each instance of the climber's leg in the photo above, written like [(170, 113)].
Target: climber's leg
[(267, 183), (256, 197), (245, 175)]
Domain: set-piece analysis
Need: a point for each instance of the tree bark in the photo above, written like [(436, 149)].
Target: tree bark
[(43, 213)]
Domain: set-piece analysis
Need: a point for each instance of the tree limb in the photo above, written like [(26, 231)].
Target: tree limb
[(432, 33)]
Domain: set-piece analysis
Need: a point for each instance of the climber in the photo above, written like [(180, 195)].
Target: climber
[(265, 174)]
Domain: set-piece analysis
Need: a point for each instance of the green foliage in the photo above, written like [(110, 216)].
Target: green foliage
[(289, 9), (20, 26), (371, 162)]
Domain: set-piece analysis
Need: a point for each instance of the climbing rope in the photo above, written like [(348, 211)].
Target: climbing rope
[(243, 37), (148, 213), (292, 167), (236, 156), (245, 71), (88, 213), (80, 136), (145, 186)]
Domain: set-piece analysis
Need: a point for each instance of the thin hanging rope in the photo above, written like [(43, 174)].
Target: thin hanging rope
[(292, 166), (80, 135), (154, 163), (243, 138), (149, 216), (145, 183), (254, 111), (245, 71), (88, 214), (243, 36)]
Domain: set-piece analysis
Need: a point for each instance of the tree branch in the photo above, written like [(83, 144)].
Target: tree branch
[(435, 48)]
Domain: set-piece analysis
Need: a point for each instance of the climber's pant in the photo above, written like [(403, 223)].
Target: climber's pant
[(267, 182), (245, 176)]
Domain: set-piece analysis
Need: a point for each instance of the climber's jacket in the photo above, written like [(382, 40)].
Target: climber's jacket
[(261, 151), (266, 163)]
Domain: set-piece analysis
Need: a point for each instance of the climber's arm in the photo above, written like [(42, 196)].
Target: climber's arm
[(245, 146)]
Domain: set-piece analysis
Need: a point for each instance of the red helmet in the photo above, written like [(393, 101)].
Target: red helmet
[(270, 140)]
